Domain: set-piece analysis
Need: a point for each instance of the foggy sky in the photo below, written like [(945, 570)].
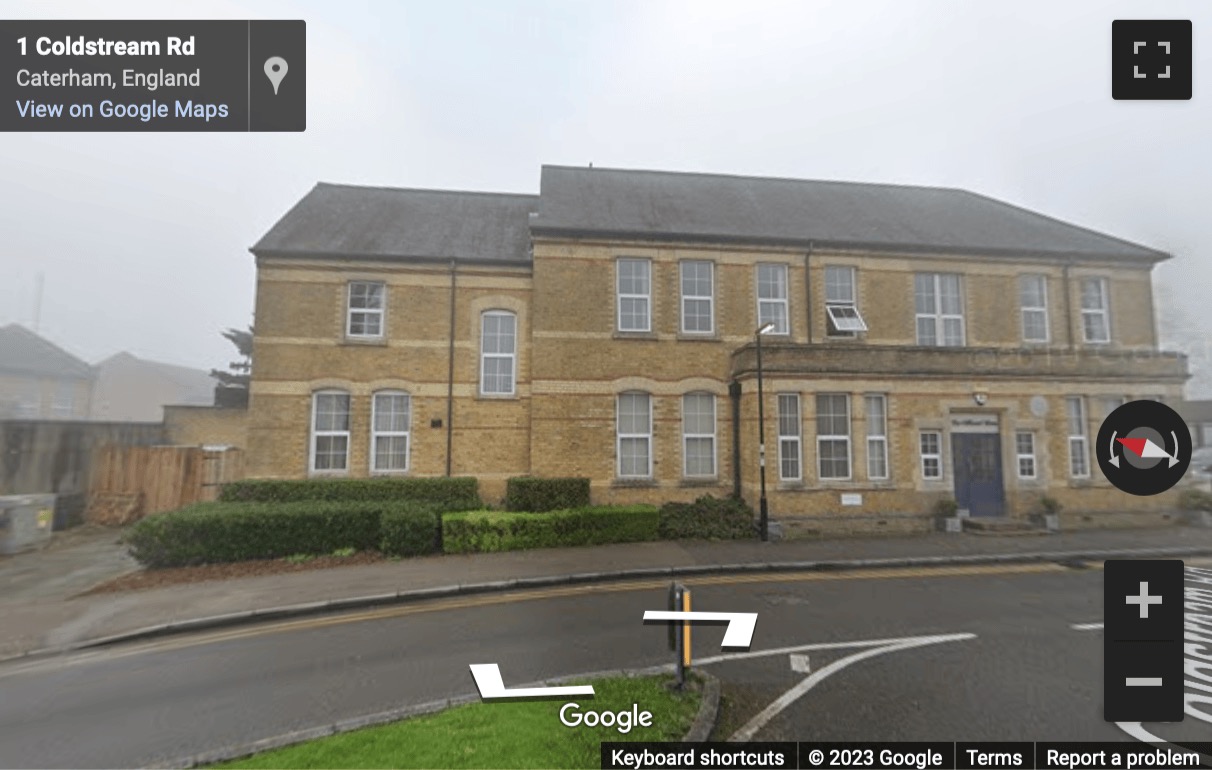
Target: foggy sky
[(143, 238)]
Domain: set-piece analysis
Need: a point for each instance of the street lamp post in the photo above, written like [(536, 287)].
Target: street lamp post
[(763, 511)]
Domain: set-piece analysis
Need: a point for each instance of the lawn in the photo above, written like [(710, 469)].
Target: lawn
[(519, 734)]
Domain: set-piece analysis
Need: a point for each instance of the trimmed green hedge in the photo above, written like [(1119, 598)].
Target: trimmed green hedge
[(460, 493), (207, 533), (484, 531), (413, 529), (708, 518), (535, 495)]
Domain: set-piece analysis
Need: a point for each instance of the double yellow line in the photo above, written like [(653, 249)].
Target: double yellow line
[(491, 599)]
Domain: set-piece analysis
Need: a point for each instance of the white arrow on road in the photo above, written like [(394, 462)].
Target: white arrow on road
[(490, 685), (740, 624)]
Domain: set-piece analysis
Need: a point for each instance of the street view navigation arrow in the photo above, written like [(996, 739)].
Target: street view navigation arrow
[(490, 685), (740, 624)]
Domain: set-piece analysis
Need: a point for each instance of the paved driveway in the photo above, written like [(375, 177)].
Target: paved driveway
[(74, 561)]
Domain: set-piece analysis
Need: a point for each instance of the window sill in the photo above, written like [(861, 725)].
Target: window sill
[(618, 335), (327, 474), (374, 342), (692, 337), (700, 481), (496, 396), (618, 483)]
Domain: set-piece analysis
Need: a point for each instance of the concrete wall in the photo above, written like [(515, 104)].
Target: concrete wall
[(56, 457)]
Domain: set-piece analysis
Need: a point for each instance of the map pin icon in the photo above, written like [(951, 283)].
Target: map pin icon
[(275, 70)]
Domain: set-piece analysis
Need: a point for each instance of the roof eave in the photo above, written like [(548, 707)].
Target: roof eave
[(1147, 257), (378, 257)]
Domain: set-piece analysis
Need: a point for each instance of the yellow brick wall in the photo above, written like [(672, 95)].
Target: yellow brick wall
[(572, 364), (301, 347), (206, 425)]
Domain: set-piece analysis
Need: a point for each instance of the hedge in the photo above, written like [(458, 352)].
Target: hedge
[(460, 493), (413, 529), (708, 518), (224, 532), (535, 495), (485, 531)]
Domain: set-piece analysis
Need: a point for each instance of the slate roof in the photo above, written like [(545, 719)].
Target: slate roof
[(402, 224), (660, 205), (23, 352), (346, 221)]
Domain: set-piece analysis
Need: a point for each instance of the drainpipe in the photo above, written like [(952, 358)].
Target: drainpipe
[(1068, 306), (450, 376), (734, 393), (808, 288)]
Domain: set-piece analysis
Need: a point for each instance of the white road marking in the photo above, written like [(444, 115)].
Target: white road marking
[(813, 646), (751, 728), (1087, 626), (800, 664)]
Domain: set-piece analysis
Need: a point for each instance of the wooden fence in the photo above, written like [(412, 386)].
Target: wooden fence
[(129, 482)]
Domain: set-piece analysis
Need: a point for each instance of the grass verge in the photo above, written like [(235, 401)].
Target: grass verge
[(516, 734)]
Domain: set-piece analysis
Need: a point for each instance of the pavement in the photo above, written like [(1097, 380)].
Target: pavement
[(43, 611)]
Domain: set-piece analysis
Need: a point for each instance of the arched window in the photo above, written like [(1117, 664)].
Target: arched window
[(391, 413), (330, 431), (498, 352), (634, 431)]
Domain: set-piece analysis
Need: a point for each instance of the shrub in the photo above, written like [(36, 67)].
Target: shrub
[(1195, 500), (454, 494), (946, 507), (413, 529), (527, 493), (708, 517), (1049, 505), (485, 531), (225, 532)]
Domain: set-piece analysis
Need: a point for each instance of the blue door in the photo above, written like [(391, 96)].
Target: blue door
[(977, 458)]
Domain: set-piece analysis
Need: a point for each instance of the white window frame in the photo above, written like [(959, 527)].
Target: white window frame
[(878, 440), (1026, 310), (316, 434), (821, 438), (645, 297), (938, 317), (379, 312), (709, 298), (687, 437), (1020, 456), (772, 302), (786, 439), (1079, 439), (376, 434), (936, 456), (1103, 311), (511, 356), (837, 309), (620, 436)]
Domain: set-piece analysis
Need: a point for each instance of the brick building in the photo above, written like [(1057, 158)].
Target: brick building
[(926, 342)]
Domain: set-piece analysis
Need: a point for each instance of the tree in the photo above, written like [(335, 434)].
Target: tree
[(240, 373)]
